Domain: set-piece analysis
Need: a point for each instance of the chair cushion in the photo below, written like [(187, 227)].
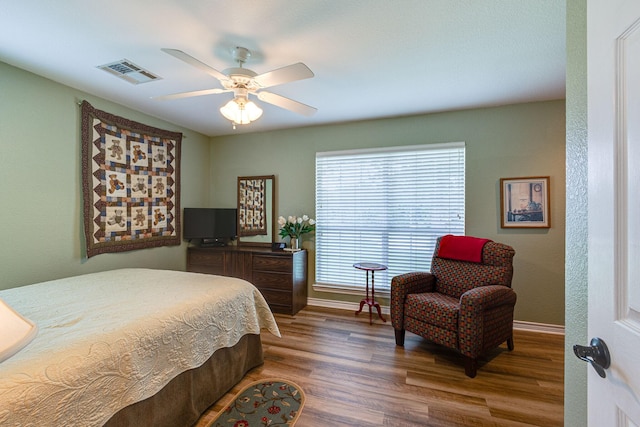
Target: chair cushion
[(434, 308), (456, 277)]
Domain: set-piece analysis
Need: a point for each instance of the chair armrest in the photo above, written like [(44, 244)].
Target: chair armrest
[(401, 286), (493, 304), (483, 298)]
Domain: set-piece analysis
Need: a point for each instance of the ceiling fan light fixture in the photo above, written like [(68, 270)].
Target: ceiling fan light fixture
[(244, 82), (241, 111)]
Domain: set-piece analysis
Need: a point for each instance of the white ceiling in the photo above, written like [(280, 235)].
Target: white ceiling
[(371, 58)]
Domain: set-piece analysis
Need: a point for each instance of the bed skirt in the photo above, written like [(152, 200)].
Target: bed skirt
[(185, 398)]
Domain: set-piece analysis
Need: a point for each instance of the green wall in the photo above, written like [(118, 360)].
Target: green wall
[(40, 191), (509, 141), (577, 267)]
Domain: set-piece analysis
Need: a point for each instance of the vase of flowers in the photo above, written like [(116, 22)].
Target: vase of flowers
[(294, 227)]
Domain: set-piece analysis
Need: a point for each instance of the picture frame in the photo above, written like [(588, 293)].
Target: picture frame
[(255, 210), (524, 202)]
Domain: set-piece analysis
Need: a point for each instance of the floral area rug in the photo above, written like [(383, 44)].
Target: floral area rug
[(273, 402)]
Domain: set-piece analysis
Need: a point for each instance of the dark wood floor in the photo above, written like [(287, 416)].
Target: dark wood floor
[(353, 374)]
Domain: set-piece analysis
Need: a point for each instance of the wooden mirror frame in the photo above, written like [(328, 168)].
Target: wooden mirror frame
[(261, 191)]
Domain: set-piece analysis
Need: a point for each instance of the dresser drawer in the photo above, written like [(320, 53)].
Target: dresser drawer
[(277, 298), (206, 262), (281, 276), (272, 263), (206, 258), (271, 280)]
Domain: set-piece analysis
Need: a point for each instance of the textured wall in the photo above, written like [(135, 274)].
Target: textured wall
[(575, 390)]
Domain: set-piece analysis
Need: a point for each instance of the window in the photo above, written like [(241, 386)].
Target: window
[(386, 206)]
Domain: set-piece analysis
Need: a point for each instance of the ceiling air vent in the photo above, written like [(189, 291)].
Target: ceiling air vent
[(129, 71)]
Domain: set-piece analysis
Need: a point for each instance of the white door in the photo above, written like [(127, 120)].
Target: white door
[(613, 75)]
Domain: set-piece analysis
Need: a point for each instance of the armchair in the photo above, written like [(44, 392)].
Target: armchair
[(465, 303)]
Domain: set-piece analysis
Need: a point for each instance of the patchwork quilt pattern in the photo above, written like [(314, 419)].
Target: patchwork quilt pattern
[(130, 182)]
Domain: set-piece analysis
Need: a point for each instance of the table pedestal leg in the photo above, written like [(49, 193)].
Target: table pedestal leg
[(371, 302)]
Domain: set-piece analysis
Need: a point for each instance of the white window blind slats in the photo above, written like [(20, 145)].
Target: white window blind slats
[(386, 206)]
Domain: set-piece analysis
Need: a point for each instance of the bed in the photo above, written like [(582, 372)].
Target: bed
[(130, 347)]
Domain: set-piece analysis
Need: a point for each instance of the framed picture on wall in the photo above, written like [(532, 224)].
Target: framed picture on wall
[(252, 215), (525, 202)]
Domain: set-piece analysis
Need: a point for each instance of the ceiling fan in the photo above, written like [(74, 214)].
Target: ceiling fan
[(244, 82)]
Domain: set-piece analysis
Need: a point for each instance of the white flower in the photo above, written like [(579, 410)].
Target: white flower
[(295, 226)]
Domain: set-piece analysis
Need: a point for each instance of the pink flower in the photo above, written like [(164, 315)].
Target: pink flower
[(241, 423)]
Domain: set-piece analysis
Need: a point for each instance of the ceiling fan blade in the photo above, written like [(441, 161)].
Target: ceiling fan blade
[(189, 94), (282, 75), (286, 103), (196, 63)]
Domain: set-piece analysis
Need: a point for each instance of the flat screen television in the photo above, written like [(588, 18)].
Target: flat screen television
[(210, 226)]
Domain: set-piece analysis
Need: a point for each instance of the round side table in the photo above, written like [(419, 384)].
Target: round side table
[(371, 302)]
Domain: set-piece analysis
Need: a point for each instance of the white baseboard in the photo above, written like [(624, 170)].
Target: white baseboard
[(341, 305), (517, 324), (545, 328)]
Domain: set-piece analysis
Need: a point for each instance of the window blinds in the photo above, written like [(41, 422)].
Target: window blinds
[(386, 206)]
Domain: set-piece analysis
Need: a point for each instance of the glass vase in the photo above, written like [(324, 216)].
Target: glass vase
[(295, 243)]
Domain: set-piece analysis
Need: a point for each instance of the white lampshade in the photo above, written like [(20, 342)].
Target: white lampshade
[(15, 331), (241, 111)]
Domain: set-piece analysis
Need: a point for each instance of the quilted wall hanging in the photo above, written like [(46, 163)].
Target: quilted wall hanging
[(130, 183)]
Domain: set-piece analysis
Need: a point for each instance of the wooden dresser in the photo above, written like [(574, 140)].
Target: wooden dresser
[(280, 275)]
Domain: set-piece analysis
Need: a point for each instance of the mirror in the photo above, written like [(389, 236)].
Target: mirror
[(256, 210)]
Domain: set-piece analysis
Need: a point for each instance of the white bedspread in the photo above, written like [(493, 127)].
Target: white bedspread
[(107, 340)]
